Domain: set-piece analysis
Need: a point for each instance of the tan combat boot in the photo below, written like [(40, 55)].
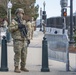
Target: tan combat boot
[(17, 70), (24, 69)]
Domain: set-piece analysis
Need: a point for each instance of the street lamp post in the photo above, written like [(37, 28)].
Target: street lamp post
[(45, 67), (9, 6), (40, 19), (4, 63), (44, 18), (44, 5)]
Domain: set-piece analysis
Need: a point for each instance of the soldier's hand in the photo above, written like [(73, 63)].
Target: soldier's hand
[(28, 41)]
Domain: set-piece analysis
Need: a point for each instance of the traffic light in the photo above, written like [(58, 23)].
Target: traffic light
[(64, 12)]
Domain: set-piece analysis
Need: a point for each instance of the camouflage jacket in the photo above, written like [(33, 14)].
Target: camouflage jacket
[(33, 23), (15, 32), (29, 25)]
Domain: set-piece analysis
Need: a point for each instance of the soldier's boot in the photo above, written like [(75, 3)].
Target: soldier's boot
[(17, 70), (24, 69)]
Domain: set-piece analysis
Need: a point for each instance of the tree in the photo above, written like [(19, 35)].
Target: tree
[(3, 12), (3, 3), (31, 10), (28, 5)]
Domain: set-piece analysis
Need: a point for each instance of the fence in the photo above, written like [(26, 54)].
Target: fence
[(58, 48)]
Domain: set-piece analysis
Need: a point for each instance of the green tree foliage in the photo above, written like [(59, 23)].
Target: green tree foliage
[(3, 8), (3, 12), (31, 10), (29, 7)]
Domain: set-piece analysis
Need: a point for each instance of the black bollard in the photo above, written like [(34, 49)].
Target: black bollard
[(4, 55), (8, 36), (45, 67)]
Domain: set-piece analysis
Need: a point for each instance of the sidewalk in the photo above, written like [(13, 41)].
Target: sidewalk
[(34, 60)]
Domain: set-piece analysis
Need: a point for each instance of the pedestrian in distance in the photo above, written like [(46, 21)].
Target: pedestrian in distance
[(33, 24)]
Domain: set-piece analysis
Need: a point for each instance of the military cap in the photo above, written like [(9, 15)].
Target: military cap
[(19, 10)]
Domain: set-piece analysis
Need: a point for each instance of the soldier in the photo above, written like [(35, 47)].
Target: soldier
[(29, 26), (32, 29), (20, 38)]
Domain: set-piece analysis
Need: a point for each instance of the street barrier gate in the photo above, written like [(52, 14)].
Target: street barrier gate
[(58, 48)]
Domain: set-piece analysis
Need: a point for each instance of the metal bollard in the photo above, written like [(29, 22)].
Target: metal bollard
[(8, 36), (44, 56), (4, 55)]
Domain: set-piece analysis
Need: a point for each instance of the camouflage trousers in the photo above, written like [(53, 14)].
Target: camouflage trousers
[(32, 32), (29, 34), (20, 50)]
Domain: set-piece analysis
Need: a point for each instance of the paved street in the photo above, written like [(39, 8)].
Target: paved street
[(34, 60)]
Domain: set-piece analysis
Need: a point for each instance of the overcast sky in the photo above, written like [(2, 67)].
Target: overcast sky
[(53, 7)]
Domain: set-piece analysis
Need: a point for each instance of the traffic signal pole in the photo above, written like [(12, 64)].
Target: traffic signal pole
[(64, 14), (64, 4), (71, 22), (45, 64), (64, 24)]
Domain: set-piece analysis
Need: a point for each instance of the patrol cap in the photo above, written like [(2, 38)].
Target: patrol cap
[(19, 10)]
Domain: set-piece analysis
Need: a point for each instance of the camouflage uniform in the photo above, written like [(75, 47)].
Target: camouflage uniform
[(29, 26), (19, 42), (32, 29)]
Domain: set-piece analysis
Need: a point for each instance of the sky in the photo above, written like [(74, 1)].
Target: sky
[(53, 7)]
